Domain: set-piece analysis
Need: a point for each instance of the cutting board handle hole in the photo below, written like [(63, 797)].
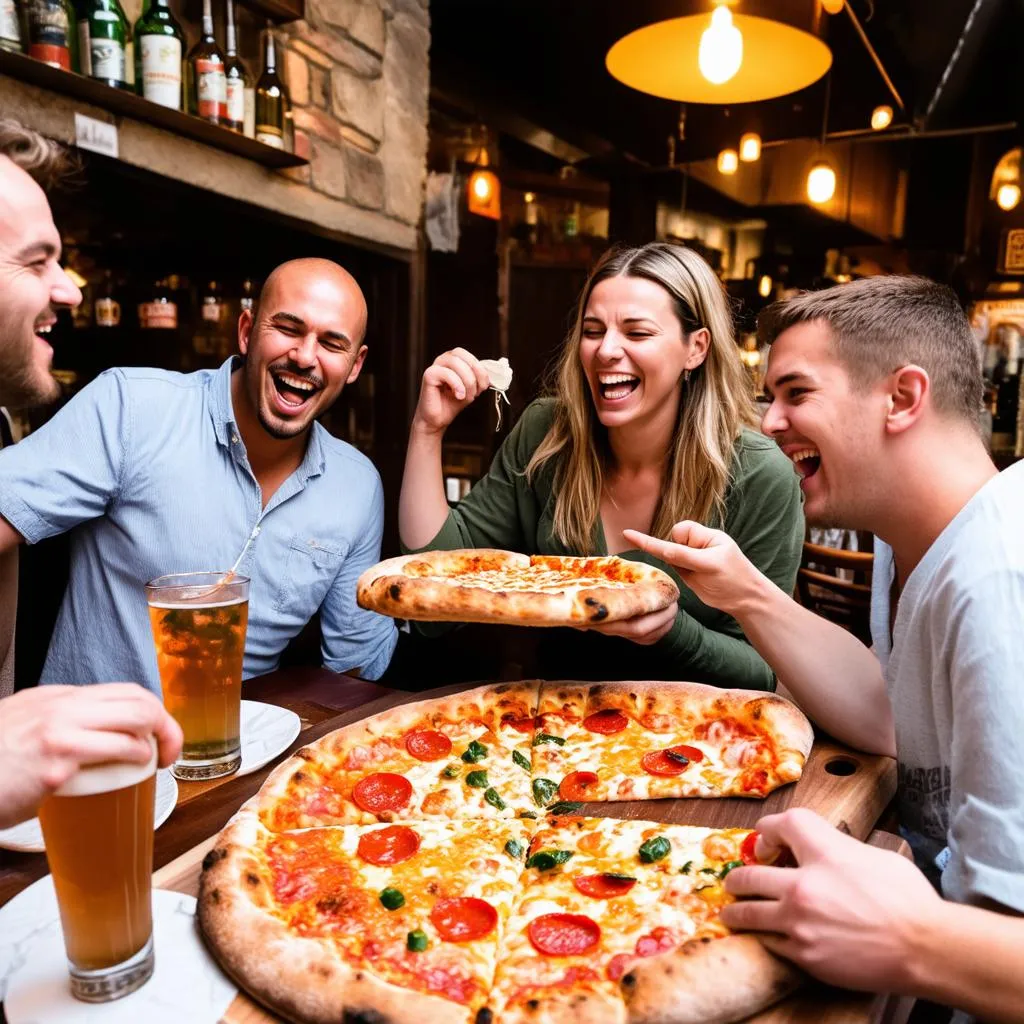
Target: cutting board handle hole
[(841, 766)]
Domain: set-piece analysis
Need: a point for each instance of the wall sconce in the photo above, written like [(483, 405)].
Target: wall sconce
[(821, 182), (728, 161), (1005, 185), (484, 191), (881, 117), (750, 147), (764, 286)]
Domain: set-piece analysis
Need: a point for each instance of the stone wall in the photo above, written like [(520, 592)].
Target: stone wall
[(357, 72)]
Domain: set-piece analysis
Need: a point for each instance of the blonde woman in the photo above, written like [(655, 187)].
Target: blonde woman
[(648, 423)]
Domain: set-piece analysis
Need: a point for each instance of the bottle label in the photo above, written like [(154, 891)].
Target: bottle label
[(107, 59), (50, 33), (158, 314), (10, 30), (108, 313), (161, 70), (250, 112), (270, 136), (211, 88), (211, 311), (236, 101)]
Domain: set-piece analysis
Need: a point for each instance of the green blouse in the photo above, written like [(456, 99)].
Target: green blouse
[(763, 514)]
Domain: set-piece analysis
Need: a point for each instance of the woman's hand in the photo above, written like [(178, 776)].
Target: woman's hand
[(450, 383), (641, 629)]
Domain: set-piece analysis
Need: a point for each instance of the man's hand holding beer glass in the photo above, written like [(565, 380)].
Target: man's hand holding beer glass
[(48, 733)]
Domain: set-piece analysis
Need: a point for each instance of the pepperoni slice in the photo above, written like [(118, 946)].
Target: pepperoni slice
[(428, 745), (618, 965), (603, 887), (389, 845), (785, 859), (659, 762), (522, 724), (382, 791), (578, 786), (463, 918), (661, 940), (606, 722), (563, 934)]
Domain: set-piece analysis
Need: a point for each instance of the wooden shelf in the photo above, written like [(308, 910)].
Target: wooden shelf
[(277, 10), (128, 104)]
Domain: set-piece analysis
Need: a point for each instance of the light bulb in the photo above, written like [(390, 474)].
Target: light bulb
[(721, 48), (728, 161), (821, 183), (1008, 195), (481, 186), (833, 6), (750, 147), (764, 286), (881, 117), (529, 197)]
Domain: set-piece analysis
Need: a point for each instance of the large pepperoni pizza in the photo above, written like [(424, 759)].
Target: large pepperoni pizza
[(428, 865)]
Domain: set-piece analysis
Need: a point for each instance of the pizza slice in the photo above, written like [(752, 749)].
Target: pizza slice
[(392, 922), (618, 921), (643, 740), (464, 756)]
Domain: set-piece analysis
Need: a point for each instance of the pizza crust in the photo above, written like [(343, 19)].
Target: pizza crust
[(401, 588), (707, 981), (298, 977)]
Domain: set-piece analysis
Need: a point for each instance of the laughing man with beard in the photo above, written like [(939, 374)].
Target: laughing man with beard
[(165, 472)]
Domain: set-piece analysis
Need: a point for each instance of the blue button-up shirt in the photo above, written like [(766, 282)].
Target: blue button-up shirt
[(149, 468)]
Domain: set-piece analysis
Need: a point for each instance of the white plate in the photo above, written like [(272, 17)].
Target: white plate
[(187, 985), (28, 836), (267, 731)]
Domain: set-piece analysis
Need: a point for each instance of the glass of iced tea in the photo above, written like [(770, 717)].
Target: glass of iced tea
[(98, 830), (199, 621)]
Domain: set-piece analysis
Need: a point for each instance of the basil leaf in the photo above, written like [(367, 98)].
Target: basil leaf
[(654, 849), (729, 866), (522, 760), (453, 771), (708, 871), (492, 797), (416, 941), (545, 860), (546, 737), (527, 814), (619, 878), (680, 758), (392, 898), (543, 791), (685, 869), (476, 751), (565, 807), (477, 780), (514, 849)]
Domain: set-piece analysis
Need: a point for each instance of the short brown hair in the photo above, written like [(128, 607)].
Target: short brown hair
[(45, 160), (879, 324)]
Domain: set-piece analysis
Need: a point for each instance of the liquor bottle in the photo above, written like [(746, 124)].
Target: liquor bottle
[(161, 311), (271, 98), (159, 45), (52, 33), (248, 298), (103, 34), (207, 87), (106, 307), (10, 27), (240, 94), (207, 339)]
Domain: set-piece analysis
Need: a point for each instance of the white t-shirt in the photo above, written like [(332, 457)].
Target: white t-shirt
[(955, 675)]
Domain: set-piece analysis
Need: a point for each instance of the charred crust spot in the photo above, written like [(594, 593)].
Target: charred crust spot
[(214, 857), (299, 776), (395, 590), (628, 981), (251, 878), (306, 753), (323, 970), (359, 975), (600, 611), (533, 1004), (364, 1017), (214, 896), (756, 716), (484, 1016)]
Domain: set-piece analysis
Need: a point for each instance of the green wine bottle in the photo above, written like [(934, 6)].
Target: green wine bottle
[(271, 98), (159, 47), (103, 35)]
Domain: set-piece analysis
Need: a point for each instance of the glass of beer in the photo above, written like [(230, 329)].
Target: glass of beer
[(199, 622), (98, 830)]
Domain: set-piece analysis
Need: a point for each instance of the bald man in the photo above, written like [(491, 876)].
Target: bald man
[(163, 472)]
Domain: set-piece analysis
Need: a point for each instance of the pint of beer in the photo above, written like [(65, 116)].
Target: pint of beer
[(98, 830), (199, 622)]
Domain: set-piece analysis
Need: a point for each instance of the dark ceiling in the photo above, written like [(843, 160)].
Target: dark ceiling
[(543, 60)]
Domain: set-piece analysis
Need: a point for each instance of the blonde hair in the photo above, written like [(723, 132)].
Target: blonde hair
[(717, 402), (46, 161)]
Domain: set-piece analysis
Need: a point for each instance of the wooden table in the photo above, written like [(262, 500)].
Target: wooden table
[(850, 789)]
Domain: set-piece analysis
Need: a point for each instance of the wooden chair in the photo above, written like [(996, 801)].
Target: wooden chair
[(836, 584)]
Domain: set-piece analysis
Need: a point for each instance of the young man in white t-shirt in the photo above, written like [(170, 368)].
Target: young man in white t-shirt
[(876, 392)]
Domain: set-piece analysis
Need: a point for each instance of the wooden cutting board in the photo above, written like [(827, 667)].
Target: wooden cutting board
[(849, 789)]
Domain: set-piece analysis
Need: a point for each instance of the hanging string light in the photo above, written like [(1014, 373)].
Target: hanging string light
[(728, 161), (750, 147), (821, 180), (721, 48)]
